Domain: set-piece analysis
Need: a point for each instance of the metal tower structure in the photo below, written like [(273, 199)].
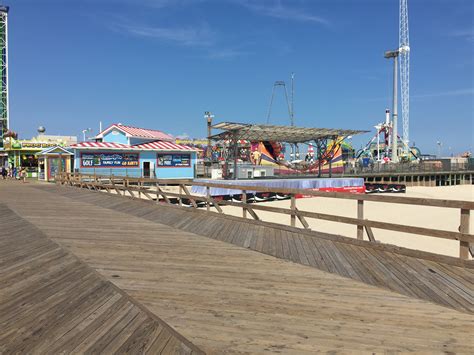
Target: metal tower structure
[(4, 105), (394, 54), (404, 60), (275, 85)]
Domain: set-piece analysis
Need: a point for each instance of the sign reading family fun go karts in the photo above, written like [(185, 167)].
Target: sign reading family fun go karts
[(109, 160)]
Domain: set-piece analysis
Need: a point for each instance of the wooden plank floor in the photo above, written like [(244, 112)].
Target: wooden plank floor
[(228, 299), (51, 302), (443, 280)]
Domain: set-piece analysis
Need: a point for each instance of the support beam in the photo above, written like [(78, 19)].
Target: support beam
[(188, 194), (302, 219), (370, 234)]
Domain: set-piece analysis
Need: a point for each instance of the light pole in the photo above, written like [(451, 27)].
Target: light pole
[(209, 116), (394, 55), (84, 131), (440, 144)]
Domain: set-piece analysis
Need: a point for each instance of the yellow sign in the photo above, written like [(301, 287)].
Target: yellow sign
[(30, 145), (36, 145)]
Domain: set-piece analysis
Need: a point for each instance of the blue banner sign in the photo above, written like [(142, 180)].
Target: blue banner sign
[(174, 160), (109, 160)]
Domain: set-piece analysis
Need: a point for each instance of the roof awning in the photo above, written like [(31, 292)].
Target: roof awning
[(54, 151), (288, 134), (153, 146)]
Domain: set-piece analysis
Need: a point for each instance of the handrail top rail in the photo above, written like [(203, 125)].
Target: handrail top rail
[(428, 202)]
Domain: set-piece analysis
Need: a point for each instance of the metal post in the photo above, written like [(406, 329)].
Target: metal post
[(395, 111), (378, 146), (292, 99), (330, 166), (319, 155), (235, 156), (209, 133)]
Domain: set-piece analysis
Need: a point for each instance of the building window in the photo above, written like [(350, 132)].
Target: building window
[(28, 161)]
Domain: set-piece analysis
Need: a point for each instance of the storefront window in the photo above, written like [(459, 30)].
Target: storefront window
[(28, 161)]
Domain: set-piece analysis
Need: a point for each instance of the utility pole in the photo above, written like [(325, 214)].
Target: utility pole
[(209, 116), (84, 131), (394, 55)]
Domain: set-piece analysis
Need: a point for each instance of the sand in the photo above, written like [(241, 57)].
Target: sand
[(428, 217)]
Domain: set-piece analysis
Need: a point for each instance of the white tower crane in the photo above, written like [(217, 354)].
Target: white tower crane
[(404, 55)]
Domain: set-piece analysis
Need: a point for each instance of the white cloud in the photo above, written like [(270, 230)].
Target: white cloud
[(199, 36), (270, 8), (467, 34), (224, 53), (276, 9)]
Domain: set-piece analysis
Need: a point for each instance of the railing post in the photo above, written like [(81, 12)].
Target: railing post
[(360, 216), (293, 210), (464, 228), (157, 192), (208, 201), (244, 202)]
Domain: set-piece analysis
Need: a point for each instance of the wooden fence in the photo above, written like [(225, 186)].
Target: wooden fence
[(153, 189)]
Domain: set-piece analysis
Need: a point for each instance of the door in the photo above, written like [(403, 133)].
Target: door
[(146, 169)]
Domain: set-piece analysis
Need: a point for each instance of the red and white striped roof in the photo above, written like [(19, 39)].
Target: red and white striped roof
[(160, 145), (101, 145), (136, 132), (154, 146)]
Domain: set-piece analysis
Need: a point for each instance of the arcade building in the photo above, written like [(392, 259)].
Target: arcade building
[(136, 152), (24, 153)]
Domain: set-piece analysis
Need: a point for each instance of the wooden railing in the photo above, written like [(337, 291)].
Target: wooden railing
[(155, 189)]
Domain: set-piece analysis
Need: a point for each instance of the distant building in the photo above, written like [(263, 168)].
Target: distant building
[(22, 153), (138, 152), (53, 160)]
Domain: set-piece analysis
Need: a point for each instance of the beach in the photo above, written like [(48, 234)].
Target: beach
[(428, 217)]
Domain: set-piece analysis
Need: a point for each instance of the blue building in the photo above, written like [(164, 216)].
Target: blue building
[(137, 152)]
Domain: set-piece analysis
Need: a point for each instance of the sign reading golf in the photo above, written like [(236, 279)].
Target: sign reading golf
[(109, 160)]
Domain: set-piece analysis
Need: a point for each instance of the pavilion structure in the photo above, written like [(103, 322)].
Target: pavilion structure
[(319, 137)]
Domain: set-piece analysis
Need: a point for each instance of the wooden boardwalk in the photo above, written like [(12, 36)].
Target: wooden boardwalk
[(225, 298), (440, 279), (51, 302)]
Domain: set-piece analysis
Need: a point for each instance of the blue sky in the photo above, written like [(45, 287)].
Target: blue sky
[(162, 63)]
